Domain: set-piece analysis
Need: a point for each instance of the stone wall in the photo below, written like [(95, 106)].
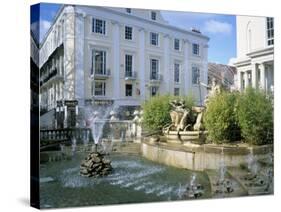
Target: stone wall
[(201, 157)]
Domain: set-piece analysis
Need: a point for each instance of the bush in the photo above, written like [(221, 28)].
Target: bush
[(156, 111), (255, 116), (220, 119)]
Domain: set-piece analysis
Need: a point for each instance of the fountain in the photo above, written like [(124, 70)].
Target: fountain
[(73, 146), (253, 178), (223, 184), (185, 128), (95, 164), (194, 189)]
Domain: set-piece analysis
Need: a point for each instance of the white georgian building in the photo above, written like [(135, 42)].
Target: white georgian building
[(255, 52), (119, 55)]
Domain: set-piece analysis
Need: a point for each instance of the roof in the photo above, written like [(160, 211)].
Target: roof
[(124, 14)]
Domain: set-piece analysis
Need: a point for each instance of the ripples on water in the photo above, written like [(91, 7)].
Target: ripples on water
[(134, 180)]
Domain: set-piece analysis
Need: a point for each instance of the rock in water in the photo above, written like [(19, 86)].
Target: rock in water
[(95, 165)]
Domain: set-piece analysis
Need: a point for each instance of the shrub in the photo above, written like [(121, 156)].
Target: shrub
[(156, 111), (255, 116), (220, 118)]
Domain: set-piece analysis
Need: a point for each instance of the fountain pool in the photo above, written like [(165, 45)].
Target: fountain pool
[(134, 180)]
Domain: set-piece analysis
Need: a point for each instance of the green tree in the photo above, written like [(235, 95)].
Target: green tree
[(255, 116), (220, 118)]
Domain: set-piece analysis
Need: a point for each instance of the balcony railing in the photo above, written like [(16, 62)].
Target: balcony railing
[(155, 77), (101, 75), (50, 75), (130, 75)]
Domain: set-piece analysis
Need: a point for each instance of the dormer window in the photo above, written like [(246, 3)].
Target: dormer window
[(153, 15), (128, 10)]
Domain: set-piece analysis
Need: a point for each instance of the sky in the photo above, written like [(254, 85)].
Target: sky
[(221, 29)]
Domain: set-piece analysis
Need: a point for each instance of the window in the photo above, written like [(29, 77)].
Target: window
[(195, 49), (154, 39), (98, 62), (270, 31), (98, 26), (195, 75), (129, 90), (100, 87), (128, 65), (177, 72), (154, 90), (153, 15), (154, 68), (176, 91), (177, 44), (128, 33), (128, 10)]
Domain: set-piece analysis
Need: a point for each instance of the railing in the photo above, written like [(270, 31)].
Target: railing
[(155, 77), (65, 134), (130, 75), (101, 75)]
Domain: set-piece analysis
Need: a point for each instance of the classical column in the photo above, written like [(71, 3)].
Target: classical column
[(262, 75), (246, 79), (79, 58), (166, 75), (204, 75), (186, 71), (142, 63), (254, 76), (116, 59), (239, 81)]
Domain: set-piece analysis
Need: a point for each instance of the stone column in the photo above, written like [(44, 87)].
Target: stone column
[(186, 71), (79, 58), (262, 75), (204, 72), (116, 59), (167, 74), (246, 79), (239, 81), (69, 53), (254, 76), (142, 63)]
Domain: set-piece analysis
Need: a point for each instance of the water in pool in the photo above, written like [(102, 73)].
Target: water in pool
[(134, 180)]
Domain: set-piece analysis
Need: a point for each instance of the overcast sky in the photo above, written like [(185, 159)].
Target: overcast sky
[(221, 29)]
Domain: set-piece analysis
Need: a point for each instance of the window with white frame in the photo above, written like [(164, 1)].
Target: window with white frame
[(153, 15), (154, 69), (195, 48), (153, 90), (195, 75), (270, 31), (154, 38), (176, 91), (99, 88), (129, 90), (177, 44), (128, 65), (98, 62), (177, 72), (98, 26), (128, 33)]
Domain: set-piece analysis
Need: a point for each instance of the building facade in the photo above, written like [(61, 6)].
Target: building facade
[(255, 52), (122, 56)]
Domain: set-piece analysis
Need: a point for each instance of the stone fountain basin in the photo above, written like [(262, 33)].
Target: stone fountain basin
[(200, 157), (185, 137)]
